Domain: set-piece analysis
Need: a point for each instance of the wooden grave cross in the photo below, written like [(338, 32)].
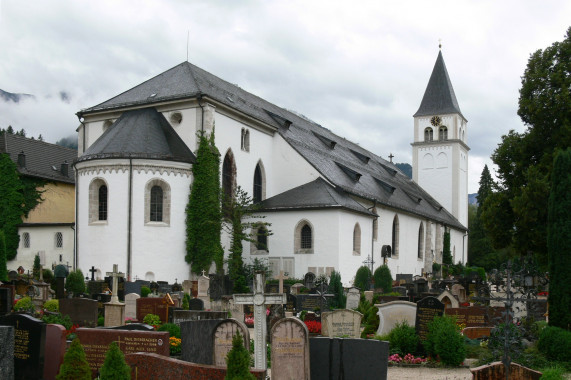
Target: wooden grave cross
[(260, 300), (283, 276)]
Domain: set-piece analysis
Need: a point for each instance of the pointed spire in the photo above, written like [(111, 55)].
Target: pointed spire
[(439, 97)]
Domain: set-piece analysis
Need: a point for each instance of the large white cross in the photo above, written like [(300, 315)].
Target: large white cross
[(115, 287), (260, 300)]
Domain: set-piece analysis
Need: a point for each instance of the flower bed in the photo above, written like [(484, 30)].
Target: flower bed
[(408, 359)]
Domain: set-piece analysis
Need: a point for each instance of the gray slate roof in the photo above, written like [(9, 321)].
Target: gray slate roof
[(439, 97), (349, 167), (43, 160), (141, 133)]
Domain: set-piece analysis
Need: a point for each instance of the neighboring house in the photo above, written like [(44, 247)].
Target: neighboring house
[(331, 203), (49, 228)]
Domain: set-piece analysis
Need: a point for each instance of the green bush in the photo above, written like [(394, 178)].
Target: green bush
[(74, 366), (370, 318), (336, 288), (58, 319), (174, 330), (152, 319), (75, 283), (497, 339), (145, 291), (383, 279), (363, 278), (444, 341), (101, 321), (114, 367), (555, 343), (24, 304), (238, 361), (403, 339), (553, 373), (51, 305), (186, 301)]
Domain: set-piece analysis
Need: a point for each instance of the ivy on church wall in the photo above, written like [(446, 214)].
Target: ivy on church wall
[(446, 253), (203, 212)]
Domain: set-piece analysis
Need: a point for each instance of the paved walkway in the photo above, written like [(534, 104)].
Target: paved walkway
[(423, 373)]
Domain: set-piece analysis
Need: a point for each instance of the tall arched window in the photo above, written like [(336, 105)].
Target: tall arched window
[(257, 184), (395, 238), (59, 240), (306, 237), (228, 175), (428, 134), (442, 133), (303, 237), (357, 239), (245, 143), (156, 204), (262, 239), (420, 240), (102, 201)]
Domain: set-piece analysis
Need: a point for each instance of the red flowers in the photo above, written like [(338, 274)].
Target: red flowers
[(314, 327)]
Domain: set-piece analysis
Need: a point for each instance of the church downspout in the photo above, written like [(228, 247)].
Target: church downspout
[(129, 235), (373, 233), (76, 229)]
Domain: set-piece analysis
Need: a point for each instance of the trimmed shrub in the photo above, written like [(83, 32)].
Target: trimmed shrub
[(555, 343), (444, 341), (363, 278), (174, 330), (51, 305), (74, 366), (114, 367), (383, 279), (186, 301), (58, 319), (152, 319), (371, 320), (238, 361), (403, 339), (75, 283), (336, 288), (24, 304)]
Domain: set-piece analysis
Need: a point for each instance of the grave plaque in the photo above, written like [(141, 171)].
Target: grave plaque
[(353, 298), (394, 312), (426, 309), (290, 350), (7, 352), (96, 342), (81, 311), (151, 306), (29, 345), (341, 323), (55, 350), (470, 316), (222, 337)]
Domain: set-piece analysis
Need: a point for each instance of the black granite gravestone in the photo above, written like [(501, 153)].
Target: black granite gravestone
[(196, 304), (337, 358), (291, 302), (133, 327), (6, 300), (29, 345), (426, 309), (309, 280), (81, 311), (96, 287), (7, 352), (197, 344)]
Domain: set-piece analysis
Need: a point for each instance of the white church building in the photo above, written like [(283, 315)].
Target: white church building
[(332, 204)]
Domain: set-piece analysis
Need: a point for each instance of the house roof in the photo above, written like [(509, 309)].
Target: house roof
[(42, 160), (347, 166), (439, 97), (140, 133)]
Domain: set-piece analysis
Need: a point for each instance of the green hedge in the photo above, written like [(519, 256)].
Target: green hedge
[(555, 343)]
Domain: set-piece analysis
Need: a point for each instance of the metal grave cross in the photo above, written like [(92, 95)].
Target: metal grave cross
[(115, 288), (260, 300), (283, 276), (93, 270)]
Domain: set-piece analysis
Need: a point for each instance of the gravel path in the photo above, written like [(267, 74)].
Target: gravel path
[(420, 373)]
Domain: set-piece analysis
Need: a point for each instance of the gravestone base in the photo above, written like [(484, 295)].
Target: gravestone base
[(7, 352), (114, 314)]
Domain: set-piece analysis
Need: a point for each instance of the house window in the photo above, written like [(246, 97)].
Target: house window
[(245, 140), (395, 238), (26, 239), (303, 237), (357, 239), (442, 133), (157, 202), (420, 240), (59, 240), (428, 134), (98, 201), (257, 184), (228, 176)]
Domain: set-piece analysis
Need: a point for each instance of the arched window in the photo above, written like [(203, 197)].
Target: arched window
[(306, 237), (420, 240), (303, 237), (262, 239), (245, 140), (102, 203), (442, 133), (98, 201), (156, 204), (428, 134), (59, 240), (357, 239), (26, 239), (257, 184), (228, 176), (395, 238)]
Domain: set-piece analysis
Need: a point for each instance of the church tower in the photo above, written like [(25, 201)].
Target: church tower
[(440, 150)]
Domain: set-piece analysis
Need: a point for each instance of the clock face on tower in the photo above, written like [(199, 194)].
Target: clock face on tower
[(435, 121)]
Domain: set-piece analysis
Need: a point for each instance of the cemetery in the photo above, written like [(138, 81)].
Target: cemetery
[(307, 328)]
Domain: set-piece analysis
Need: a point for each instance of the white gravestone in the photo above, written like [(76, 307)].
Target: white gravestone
[(353, 297), (131, 305), (391, 313)]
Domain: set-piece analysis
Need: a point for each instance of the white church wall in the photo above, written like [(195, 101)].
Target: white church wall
[(186, 127), (350, 260)]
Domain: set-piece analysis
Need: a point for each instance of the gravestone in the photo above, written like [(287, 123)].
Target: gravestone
[(60, 273), (133, 287), (313, 302), (6, 300), (216, 286), (131, 305), (101, 299), (96, 342), (426, 309), (180, 316), (55, 350), (296, 288), (404, 278), (7, 352), (115, 310), (369, 295), (448, 300), (96, 287), (236, 310), (29, 345), (336, 358), (394, 312), (81, 311), (353, 298), (290, 349), (196, 304), (475, 316), (133, 327), (459, 291), (290, 302), (187, 287), (120, 292), (341, 323), (309, 280), (203, 290), (222, 337), (401, 290), (197, 345), (151, 306)]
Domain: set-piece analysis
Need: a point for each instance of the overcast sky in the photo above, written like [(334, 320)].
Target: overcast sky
[(359, 68)]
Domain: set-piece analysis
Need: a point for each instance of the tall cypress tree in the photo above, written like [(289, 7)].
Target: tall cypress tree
[(480, 250), (3, 267), (446, 253), (11, 203), (559, 241), (203, 214)]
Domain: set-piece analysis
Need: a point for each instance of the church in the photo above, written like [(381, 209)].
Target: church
[(332, 205)]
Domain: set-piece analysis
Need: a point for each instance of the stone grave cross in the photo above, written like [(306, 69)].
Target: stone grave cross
[(283, 276), (115, 288), (260, 300)]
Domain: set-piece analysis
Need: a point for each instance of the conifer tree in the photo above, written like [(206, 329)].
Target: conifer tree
[(74, 366), (114, 367), (3, 267), (383, 278), (559, 241), (36, 268), (238, 361), (336, 288), (11, 203), (203, 213), (446, 253)]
